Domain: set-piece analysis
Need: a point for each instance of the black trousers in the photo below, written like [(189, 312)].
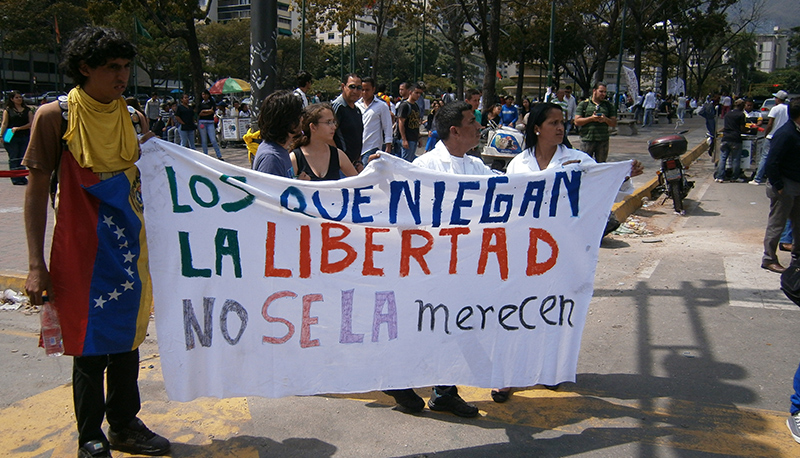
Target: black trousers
[(121, 404)]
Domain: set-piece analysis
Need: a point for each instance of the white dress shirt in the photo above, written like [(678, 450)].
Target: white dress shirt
[(377, 124), (440, 159)]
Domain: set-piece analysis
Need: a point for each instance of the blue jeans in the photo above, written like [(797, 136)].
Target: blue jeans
[(786, 235), (762, 162), (733, 151), (187, 138), (796, 396), (648, 117), (16, 151), (207, 131), (365, 155), (409, 153)]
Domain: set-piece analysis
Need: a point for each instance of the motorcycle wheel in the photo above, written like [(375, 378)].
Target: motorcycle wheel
[(677, 196)]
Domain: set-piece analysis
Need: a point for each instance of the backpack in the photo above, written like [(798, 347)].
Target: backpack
[(790, 283)]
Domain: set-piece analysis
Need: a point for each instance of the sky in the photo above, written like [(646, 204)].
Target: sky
[(783, 13)]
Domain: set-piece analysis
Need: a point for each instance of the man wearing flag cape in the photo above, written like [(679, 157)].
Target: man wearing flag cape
[(98, 278)]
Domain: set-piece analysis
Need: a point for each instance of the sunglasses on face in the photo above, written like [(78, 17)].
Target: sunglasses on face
[(354, 87)]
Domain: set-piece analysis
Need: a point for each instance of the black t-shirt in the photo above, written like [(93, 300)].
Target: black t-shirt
[(733, 123), (409, 111), (187, 116), (351, 128), (207, 105)]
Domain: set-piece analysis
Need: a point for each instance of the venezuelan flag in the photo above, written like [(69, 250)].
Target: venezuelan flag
[(98, 261)]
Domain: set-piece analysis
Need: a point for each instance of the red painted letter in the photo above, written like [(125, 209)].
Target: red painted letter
[(454, 232), (369, 249), (330, 243), (499, 248), (290, 333), (308, 320), (407, 251), (269, 263), (538, 268)]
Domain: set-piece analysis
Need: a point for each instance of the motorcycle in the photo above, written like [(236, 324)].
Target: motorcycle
[(668, 149)]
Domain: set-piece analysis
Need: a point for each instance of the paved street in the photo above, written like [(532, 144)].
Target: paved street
[(688, 351)]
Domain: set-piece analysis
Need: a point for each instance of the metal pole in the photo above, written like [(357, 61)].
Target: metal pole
[(552, 43), (352, 45), (263, 48), (422, 51), (303, 36), (621, 49), (341, 76)]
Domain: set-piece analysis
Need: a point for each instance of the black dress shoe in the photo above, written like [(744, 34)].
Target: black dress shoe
[(774, 267)]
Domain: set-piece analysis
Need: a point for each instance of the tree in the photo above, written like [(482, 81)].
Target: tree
[(449, 19), (226, 48), (176, 19), (483, 16), (340, 13)]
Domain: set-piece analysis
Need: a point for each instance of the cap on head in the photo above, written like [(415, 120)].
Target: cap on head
[(783, 95)]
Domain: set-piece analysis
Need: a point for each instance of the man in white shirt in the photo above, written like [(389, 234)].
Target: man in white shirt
[(377, 120), (569, 114), (303, 86), (459, 133), (649, 104), (777, 117)]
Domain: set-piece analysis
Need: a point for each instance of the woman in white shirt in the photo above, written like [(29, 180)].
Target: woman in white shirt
[(543, 136)]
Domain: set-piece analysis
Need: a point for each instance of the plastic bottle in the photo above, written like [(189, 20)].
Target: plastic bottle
[(51, 330)]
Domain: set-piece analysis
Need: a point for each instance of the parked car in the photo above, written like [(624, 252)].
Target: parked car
[(766, 106), (51, 96), (32, 99)]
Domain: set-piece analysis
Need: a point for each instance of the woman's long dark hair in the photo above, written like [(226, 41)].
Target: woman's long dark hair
[(537, 117)]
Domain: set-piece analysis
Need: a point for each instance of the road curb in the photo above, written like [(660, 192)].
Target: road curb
[(634, 201), (12, 280)]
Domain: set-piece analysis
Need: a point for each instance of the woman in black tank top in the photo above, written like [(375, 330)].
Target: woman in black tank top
[(314, 157)]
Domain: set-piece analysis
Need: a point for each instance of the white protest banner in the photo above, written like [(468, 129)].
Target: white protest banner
[(399, 277)]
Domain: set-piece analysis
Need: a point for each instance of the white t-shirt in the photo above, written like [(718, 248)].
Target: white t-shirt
[(525, 162), (781, 115), (440, 159)]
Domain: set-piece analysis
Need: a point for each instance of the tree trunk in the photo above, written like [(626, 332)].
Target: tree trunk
[(458, 70), (198, 81), (520, 77)]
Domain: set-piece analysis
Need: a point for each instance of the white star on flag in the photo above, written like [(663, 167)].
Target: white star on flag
[(107, 220), (112, 296), (129, 257), (129, 271), (120, 232), (99, 302), (123, 245), (127, 285)]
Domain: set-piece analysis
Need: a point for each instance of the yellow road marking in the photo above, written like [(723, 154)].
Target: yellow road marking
[(208, 428)]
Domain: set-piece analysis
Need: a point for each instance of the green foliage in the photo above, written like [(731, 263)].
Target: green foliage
[(226, 48)]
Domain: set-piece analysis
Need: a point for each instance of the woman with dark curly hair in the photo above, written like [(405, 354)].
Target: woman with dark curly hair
[(17, 118), (279, 123)]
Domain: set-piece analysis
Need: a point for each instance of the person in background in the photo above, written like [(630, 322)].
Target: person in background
[(244, 111), (152, 109), (279, 124), (509, 113), (783, 190), (731, 147), (314, 157), (572, 105), (406, 133), (777, 117), (303, 90), (491, 116), (185, 117), (595, 116), (350, 131), (205, 123), (377, 121), (17, 118), (139, 121), (473, 98), (99, 147)]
